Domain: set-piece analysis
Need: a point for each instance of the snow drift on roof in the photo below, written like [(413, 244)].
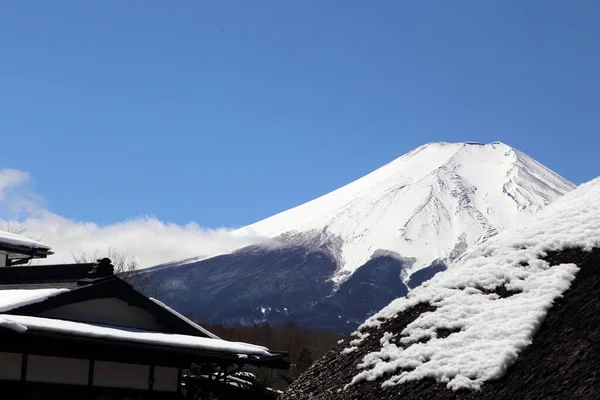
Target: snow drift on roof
[(492, 301), (184, 318), (22, 323), (22, 241), (15, 298)]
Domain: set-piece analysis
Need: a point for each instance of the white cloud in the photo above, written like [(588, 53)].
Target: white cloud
[(150, 240), (16, 199), (9, 178)]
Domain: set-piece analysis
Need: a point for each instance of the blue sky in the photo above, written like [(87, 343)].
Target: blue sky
[(226, 112)]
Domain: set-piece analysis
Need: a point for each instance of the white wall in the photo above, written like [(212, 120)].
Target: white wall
[(46, 369), (10, 366), (73, 371), (108, 311), (121, 375), (166, 379)]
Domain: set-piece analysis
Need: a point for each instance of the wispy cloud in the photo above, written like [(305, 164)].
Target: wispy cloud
[(150, 240), (10, 178)]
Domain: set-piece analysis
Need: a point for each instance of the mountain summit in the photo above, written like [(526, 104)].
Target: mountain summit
[(345, 255), (430, 204)]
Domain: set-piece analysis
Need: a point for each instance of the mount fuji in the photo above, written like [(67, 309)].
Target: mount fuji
[(336, 260)]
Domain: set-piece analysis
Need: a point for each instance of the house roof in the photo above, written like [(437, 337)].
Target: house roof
[(107, 287), (560, 363), (28, 293), (22, 248), (16, 298), (22, 323), (12, 239), (57, 275), (53, 337), (185, 319)]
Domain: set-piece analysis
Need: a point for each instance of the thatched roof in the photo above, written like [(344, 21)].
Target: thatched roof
[(563, 362)]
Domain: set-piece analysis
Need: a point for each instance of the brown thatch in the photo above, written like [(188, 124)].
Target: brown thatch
[(563, 362)]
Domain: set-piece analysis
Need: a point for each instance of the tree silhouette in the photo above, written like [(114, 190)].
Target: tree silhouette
[(305, 360)]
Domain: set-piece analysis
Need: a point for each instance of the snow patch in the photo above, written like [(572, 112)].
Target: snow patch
[(184, 318), (265, 310), (21, 241), (22, 323), (15, 298)]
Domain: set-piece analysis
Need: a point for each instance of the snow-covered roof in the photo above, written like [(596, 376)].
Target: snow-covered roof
[(22, 323), (489, 331), (184, 318), (15, 298), (21, 241)]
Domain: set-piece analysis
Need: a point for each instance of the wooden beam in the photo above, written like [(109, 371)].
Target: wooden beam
[(91, 373), (24, 367), (151, 378), (179, 379)]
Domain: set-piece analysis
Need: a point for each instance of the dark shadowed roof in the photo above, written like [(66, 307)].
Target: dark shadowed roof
[(67, 274), (563, 362), (31, 286), (60, 276)]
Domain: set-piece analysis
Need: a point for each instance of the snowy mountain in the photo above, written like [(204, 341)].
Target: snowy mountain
[(430, 204), (343, 256)]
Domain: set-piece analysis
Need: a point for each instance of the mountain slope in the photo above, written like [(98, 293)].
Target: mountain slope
[(343, 256), (431, 203)]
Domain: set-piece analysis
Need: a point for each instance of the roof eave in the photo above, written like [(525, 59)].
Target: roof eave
[(184, 354), (25, 251)]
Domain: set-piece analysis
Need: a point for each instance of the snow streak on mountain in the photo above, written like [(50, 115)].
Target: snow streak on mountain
[(430, 204)]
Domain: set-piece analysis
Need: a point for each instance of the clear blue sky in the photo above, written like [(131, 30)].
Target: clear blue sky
[(226, 112)]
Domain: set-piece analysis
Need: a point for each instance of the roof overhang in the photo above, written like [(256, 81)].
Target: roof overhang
[(16, 254), (39, 341), (16, 249)]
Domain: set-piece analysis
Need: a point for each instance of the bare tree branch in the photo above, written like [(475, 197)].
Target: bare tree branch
[(18, 229), (126, 267)]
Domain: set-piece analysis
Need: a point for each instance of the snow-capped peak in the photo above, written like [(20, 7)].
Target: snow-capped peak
[(430, 204)]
